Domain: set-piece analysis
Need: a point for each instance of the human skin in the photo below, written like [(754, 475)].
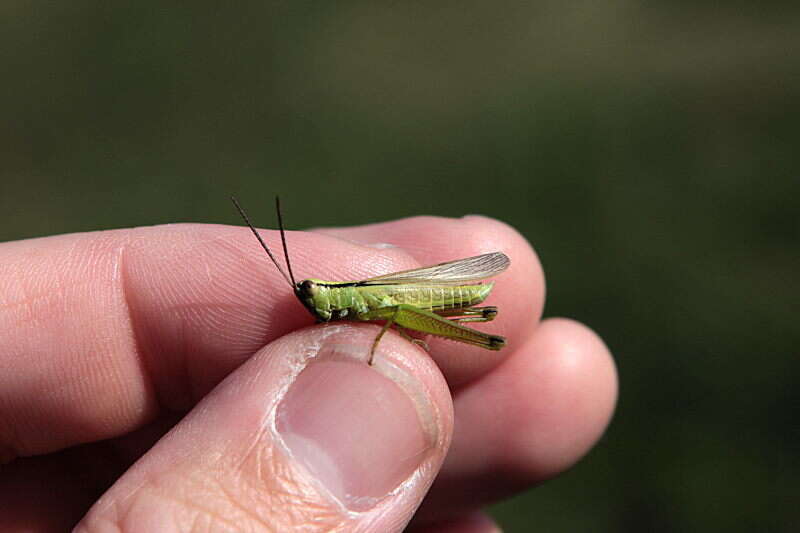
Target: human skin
[(109, 338)]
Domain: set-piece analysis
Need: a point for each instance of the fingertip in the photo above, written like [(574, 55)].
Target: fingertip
[(362, 429), (529, 419), (320, 435), (571, 375)]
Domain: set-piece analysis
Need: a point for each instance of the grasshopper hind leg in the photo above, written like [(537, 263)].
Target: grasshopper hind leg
[(470, 314), (445, 325)]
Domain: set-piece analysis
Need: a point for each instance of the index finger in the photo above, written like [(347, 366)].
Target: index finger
[(101, 330)]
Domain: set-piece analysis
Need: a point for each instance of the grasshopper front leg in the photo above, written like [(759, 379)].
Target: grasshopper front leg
[(392, 315)]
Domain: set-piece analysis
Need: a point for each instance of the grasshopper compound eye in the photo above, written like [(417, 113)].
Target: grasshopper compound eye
[(308, 288)]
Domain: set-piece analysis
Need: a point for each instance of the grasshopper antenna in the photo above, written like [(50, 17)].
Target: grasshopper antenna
[(264, 245), (283, 239)]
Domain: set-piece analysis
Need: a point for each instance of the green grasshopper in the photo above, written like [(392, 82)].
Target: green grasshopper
[(434, 299)]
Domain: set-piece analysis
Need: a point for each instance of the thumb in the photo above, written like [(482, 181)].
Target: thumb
[(303, 435)]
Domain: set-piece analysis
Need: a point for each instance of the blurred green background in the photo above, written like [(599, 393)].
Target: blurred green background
[(648, 150)]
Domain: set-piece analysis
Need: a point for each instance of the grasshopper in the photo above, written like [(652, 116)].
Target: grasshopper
[(436, 299)]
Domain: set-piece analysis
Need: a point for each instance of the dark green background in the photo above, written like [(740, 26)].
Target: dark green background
[(648, 150)]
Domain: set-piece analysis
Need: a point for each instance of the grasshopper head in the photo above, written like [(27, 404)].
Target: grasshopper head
[(308, 292)]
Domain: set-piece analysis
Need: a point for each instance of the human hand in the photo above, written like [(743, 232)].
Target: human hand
[(108, 338)]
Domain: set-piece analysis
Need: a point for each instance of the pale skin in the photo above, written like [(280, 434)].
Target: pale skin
[(109, 338)]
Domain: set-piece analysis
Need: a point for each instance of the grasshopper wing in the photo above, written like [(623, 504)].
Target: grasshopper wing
[(453, 272)]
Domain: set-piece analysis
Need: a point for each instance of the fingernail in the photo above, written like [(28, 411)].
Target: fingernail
[(354, 429)]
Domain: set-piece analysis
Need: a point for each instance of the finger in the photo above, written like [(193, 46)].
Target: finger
[(303, 433), (528, 420), (42, 494), (103, 330), (68, 482), (476, 522), (518, 292)]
